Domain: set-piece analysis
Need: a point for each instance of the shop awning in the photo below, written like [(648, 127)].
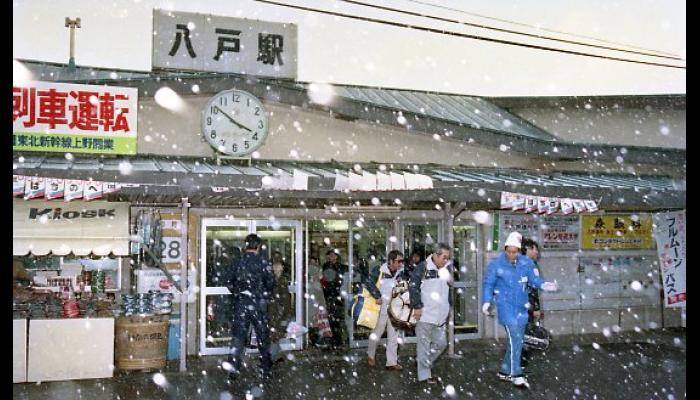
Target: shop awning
[(61, 228)]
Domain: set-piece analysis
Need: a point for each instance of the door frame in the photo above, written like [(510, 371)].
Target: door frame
[(252, 225)]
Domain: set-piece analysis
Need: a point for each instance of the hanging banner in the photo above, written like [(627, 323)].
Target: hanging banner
[(73, 189), (18, 182), (70, 118), (34, 188), (628, 231), (669, 232), (560, 232), (93, 190), (54, 188)]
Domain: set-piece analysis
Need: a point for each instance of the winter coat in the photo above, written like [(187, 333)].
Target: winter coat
[(280, 308), (509, 284), (251, 282), (429, 290), (332, 281), (386, 284)]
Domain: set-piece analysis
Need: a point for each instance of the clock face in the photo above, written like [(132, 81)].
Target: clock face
[(234, 122)]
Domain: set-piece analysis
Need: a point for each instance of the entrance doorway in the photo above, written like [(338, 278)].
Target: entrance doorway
[(222, 243)]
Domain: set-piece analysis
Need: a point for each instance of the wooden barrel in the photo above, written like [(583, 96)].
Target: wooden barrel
[(141, 342)]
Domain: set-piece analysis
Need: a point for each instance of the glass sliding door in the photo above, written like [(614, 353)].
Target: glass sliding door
[(222, 244), (465, 306)]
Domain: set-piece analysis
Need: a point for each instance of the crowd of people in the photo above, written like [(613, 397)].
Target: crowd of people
[(261, 300)]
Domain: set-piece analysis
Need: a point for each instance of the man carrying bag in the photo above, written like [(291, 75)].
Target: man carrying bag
[(387, 275)]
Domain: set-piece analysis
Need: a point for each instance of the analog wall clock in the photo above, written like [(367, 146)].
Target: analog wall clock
[(234, 122)]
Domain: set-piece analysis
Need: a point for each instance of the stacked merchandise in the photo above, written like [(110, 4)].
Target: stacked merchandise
[(21, 302), (146, 304)]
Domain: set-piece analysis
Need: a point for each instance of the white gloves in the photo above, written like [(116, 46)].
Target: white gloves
[(485, 308), (550, 287)]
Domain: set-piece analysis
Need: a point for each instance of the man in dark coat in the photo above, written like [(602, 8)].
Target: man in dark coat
[(251, 284), (332, 282)]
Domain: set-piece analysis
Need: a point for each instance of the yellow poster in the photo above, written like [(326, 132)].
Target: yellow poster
[(622, 231)]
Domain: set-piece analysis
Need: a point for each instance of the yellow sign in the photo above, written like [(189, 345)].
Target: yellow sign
[(624, 231)]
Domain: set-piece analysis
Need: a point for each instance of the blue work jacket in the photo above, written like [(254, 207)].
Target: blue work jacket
[(509, 283)]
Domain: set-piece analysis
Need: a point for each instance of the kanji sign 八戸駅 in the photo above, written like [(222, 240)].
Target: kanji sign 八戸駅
[(62, 117), (199, 42), (628, 231)]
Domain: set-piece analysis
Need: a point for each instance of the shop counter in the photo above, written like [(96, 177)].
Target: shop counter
[(64, 349), (19, 350)]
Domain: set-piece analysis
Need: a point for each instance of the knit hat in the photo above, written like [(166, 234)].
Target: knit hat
[(514, 239)]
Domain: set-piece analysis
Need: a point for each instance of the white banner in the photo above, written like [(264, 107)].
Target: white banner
[(669, 232)]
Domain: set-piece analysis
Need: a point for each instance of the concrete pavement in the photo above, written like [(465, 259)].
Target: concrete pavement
[(635, 365)]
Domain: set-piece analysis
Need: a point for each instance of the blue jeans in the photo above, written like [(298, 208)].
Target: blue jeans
[(243, 318), (514, 347)]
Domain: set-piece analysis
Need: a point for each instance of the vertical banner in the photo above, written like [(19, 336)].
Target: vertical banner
[(669, 232), (54, 188), (18, 185), (73, 189)]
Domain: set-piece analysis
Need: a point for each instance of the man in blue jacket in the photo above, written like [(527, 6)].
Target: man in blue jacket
[(508, 277), (251, 285)]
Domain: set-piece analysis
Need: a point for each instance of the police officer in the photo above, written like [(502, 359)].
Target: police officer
[(251, 284)]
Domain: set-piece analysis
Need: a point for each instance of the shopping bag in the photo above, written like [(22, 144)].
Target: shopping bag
[(294, 330), (400, 311), (324, 325), (365, 310)]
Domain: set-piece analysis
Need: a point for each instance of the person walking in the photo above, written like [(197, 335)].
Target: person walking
[(332, 282), (280, 307), (531, 249), (507, 277), (429, 289), (251, 285), (386, 275)]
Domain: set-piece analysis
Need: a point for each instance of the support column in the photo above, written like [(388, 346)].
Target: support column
[(184, 283)]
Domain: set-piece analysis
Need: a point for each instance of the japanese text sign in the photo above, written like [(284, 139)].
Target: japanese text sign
[(560, 232), (600, 232), (62, 117), (199, 42), (669, 232), (527, 224)]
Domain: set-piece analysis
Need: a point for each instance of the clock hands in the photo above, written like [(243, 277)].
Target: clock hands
[(232, 120)]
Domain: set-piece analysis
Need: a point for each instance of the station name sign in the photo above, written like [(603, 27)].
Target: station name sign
[(201, 42)]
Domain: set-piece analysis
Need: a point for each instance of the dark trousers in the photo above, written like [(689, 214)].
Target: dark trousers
[(243, 318), (336, 319)]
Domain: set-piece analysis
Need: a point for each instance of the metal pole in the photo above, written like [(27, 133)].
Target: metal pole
[(183, 284), (449, 219), (72, 24)]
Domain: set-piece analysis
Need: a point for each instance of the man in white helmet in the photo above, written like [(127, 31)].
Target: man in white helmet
[(508, 277)]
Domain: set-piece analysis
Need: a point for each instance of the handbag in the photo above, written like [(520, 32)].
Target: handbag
[(324, 325), (536, 337), (365, 310), (400, 311)]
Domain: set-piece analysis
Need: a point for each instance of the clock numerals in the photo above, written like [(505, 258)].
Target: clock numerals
[(234, 147), (208, 120), (257, 110), (214, 110), (246, 144), (255, 136), (260, 124), (223, 101), (248, 102), (236, 98), (213, 134)]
